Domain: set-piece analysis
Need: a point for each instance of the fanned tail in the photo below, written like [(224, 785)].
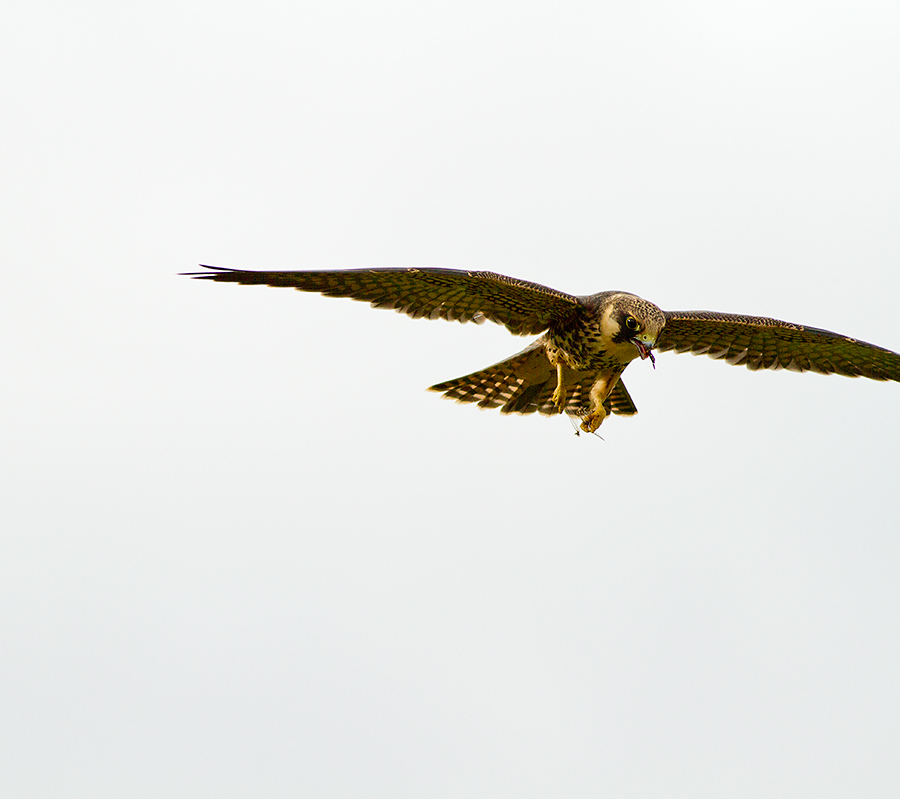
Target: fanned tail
[(525, 383)]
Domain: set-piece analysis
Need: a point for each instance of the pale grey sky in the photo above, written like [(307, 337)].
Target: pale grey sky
[(244, 553)]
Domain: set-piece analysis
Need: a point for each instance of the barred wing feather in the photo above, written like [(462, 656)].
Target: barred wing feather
[(523, 307), (762, 343)]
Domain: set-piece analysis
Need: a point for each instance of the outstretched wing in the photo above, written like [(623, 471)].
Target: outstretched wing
[(760, 343), (525, 308)]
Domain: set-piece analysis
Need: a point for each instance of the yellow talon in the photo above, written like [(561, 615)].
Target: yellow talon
[(592, 421)]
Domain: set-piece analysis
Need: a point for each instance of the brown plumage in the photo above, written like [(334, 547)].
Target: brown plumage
[(587, 342)]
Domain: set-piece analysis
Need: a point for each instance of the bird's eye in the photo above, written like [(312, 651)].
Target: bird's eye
[(631, 323)]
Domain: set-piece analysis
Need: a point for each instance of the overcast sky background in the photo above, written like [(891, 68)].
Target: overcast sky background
[(244, 553)]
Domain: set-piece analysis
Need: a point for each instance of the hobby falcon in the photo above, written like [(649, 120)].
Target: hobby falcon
[(576, 365)]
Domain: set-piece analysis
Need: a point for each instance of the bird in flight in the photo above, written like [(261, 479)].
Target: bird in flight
[(576, 365)]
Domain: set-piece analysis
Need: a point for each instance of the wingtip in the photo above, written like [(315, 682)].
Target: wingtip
[(205, 274)]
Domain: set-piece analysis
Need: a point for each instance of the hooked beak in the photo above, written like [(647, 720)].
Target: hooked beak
[(644, 351)]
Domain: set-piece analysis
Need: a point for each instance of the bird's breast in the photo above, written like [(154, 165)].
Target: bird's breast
[(585, 348)]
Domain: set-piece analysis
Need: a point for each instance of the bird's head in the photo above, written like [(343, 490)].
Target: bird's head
[(634, 326)]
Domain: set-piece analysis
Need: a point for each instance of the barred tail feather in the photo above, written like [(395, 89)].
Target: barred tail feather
[(525, 383), (619, 400)]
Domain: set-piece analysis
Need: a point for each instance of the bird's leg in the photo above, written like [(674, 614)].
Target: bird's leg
[(599, 393), (559, 394)]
